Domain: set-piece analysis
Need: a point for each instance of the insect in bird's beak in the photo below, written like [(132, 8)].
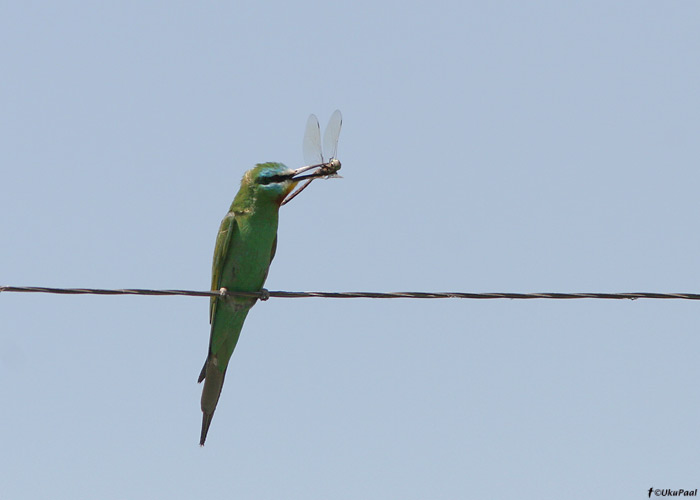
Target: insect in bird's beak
[(314, 155), (329, 169)]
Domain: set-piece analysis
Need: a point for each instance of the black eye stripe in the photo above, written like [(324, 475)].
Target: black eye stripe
[(269, 179)]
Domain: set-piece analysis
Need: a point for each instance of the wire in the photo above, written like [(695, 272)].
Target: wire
[(265, 294)]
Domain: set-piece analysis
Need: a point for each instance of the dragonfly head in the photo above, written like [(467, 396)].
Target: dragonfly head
[(332, 166)]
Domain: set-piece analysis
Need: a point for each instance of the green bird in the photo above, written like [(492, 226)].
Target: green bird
[(245, 247)]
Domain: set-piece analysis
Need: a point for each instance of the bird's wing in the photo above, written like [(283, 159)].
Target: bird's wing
[(274, 249), (223, 241)]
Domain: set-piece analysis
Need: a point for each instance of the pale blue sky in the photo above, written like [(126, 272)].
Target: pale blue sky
[(487, 146)]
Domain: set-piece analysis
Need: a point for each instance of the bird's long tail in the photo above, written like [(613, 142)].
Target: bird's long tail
[(213, 382)]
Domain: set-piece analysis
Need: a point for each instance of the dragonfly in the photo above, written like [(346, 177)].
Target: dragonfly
[(313, 154)]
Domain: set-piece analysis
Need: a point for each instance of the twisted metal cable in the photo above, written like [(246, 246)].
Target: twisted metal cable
[(265, 294)]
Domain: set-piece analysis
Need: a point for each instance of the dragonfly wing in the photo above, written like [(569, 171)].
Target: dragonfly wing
[(330, 136), (312, 142)]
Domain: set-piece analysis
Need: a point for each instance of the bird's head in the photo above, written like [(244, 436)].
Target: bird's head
[(270, 183)]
